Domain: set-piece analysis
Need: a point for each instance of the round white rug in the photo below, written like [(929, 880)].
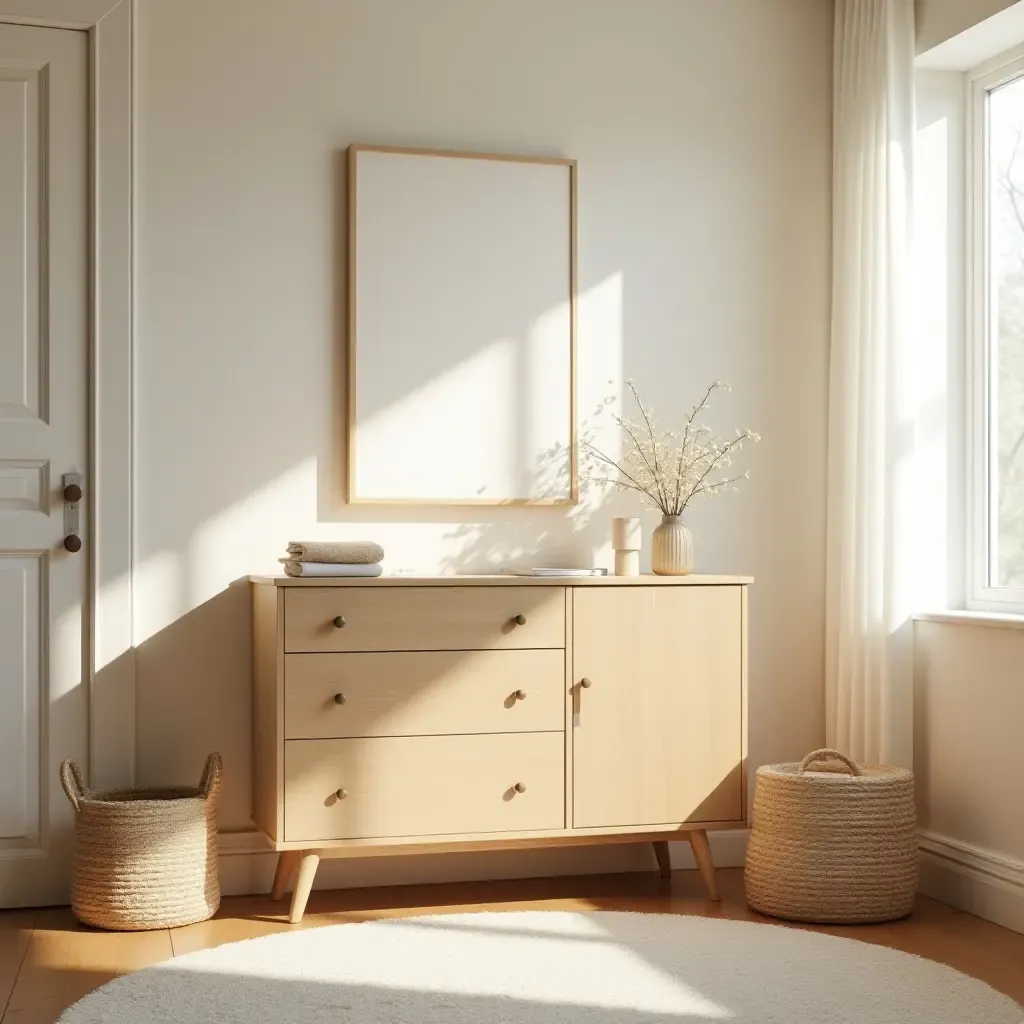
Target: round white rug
[(547, 968)]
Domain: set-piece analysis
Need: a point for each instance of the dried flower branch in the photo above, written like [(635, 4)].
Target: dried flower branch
[(669, 469)]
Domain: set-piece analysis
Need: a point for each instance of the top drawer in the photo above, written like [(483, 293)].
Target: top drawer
[(423, 618)]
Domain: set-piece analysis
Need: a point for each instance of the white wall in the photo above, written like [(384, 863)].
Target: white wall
[(939, 20), (969, 763), (703, 137)]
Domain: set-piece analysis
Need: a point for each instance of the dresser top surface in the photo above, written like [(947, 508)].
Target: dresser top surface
[(501, 581)]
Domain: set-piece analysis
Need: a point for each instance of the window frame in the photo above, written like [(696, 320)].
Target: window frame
[(981, 596)]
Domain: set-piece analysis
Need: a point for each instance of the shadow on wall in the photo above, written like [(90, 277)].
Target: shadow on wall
[(277, 469), (195, 696), (194, 639)]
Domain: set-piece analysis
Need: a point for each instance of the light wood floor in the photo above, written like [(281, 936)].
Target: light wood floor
[(48, 961)]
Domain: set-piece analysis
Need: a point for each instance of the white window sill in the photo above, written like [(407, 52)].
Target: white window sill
[(964, 617)]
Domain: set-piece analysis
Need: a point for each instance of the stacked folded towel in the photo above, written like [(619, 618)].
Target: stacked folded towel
[(333, 558)]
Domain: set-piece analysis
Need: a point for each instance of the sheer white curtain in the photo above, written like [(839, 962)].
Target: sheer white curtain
[(870, 479)]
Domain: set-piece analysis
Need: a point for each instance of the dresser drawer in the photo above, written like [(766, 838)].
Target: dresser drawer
[(423, 785), (423, 618), (423, 693)]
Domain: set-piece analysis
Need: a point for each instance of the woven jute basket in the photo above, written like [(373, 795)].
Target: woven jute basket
[(832, 841), (145, 858)]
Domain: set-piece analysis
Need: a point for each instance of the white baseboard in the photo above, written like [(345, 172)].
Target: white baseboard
[(246, 867), (983, 883)]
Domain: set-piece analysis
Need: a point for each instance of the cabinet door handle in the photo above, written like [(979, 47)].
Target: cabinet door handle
[(339, 621), (520, 620), (339, 698), (586, 683), (520, 695), (341, 794), (520, 788)]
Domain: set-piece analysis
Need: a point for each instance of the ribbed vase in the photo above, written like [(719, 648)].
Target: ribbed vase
[(672, 548)]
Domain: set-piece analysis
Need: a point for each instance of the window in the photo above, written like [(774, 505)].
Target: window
[(996, 339)]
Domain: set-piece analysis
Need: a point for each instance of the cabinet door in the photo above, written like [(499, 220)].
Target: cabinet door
[(658, 733)]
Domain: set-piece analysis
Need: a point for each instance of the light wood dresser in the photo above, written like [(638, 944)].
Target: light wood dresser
[(403, 714)]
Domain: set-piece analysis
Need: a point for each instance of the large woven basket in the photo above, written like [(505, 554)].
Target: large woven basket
[(145, 858), (833, 841)]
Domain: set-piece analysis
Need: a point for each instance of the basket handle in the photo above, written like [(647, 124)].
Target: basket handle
[(209, 784), (71, 780), (827, 754)]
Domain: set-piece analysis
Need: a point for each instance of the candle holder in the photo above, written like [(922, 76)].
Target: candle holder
[(626, 540)]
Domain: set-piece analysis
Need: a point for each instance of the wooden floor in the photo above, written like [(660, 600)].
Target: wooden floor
[(47, 961)]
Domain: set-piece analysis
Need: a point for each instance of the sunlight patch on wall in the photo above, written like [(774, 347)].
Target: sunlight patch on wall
[(158, 596), (469, 411), (571, 536)]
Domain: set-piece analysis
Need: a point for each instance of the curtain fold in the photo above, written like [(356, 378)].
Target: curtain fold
[(869, 586)]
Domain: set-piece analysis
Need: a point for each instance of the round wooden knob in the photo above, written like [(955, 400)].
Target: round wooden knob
[(341, 794), (72, 493), (339, 621), (520, 695), (520, 620), (73, 543), (585, 683), (520, 788), (339, 698)]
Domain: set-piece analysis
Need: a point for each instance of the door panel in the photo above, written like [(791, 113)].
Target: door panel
[(23, 108), (658, 732), (21, 660), (43, 354)]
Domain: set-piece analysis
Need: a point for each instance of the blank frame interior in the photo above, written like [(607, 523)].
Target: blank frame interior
[(461, 328)]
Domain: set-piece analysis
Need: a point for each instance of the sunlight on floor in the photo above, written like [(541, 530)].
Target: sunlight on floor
[(491, 956)]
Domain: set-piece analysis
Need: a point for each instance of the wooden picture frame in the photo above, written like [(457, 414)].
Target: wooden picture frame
[(395, 266)]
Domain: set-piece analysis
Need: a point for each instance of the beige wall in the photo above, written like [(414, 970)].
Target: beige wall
[(969, 711), (939, 20), (704, 226)]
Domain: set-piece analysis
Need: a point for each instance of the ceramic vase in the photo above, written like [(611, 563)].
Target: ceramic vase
[(672, 548)]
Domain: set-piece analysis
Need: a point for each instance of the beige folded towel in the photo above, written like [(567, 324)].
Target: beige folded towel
[(342, 552)]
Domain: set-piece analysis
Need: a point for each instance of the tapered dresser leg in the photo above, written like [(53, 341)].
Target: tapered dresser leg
[(287, 862), (309, 859), (662, 856), (702, 855)]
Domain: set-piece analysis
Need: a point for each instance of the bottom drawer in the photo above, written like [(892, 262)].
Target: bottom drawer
[(423, 785)]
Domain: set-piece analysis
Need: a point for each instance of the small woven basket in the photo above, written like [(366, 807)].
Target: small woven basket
[(834, 844), (145, 858)]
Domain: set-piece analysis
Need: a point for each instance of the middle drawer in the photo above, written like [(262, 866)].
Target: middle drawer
[(422, 693)]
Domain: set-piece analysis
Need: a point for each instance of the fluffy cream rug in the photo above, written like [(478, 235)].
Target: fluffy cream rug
[(547, 968)]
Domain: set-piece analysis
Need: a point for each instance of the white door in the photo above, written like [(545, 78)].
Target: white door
[(43, 352)]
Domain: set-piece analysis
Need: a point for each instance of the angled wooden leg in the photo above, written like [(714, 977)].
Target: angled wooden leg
[(663, 858), (702, 855), (303, 883), (287, 862)]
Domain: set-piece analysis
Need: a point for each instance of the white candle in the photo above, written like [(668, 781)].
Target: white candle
[(626, 536)]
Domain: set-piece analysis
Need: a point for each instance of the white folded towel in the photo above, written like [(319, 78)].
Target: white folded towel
[(293, 568)]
